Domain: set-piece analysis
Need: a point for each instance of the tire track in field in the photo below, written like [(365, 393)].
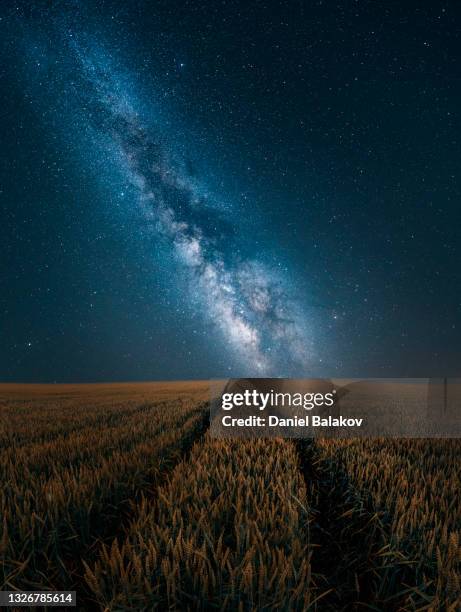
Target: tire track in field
[(229, 530), (347, 537), (115, 529)]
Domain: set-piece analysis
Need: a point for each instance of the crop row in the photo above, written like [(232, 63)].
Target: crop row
[(229, 530), (42, 418), (60, 496), (412, 488)]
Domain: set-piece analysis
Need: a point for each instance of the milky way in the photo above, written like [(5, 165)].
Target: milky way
[(242, 298), (196, 192)]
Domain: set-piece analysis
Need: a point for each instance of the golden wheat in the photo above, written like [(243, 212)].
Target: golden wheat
[(96, 484), (414, 485), (228, 530), (62, 492)]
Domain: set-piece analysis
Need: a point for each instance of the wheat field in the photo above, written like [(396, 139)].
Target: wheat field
[(118, 492)]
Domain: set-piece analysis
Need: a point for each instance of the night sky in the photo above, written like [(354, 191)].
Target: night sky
[(206, 189)]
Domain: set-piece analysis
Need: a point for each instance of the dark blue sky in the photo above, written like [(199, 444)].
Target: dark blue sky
[(201, 190)]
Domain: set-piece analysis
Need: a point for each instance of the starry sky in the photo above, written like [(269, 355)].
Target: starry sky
[(198, 190)]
